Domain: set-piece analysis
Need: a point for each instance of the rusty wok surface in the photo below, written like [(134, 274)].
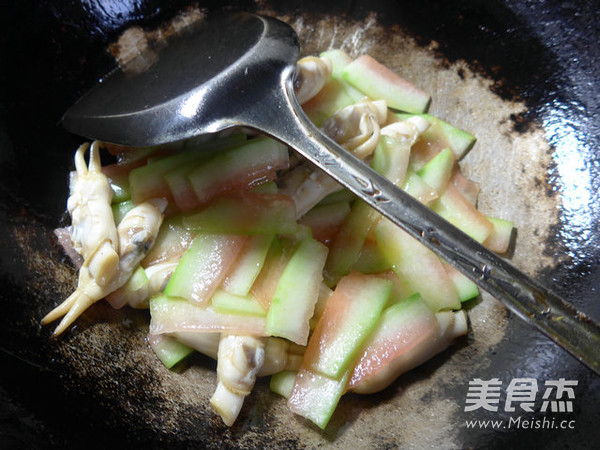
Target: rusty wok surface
[(523, 77)]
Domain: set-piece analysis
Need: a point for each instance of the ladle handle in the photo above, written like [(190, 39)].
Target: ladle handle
[(535, 304)]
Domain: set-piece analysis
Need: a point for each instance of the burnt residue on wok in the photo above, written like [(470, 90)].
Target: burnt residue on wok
[(541, 53)]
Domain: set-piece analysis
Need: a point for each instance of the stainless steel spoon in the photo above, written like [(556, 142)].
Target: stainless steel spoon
[(237, 69)]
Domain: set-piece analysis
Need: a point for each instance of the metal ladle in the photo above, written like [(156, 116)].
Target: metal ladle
[(237, 69)]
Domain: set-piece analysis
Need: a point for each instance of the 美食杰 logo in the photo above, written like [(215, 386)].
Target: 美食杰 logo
[(557, 395), (522, 395)]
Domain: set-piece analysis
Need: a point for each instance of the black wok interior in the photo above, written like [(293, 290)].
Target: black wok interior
[(544, 53)]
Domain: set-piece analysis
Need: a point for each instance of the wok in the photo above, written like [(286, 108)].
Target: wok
[(523, 77)]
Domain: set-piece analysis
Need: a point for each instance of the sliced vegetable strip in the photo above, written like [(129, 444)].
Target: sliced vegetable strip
[(349, 316), (204, 266), (248, 213), (417, 267), (315, 396), (240, 168), (175, 315), (297, 292), (407, 336)]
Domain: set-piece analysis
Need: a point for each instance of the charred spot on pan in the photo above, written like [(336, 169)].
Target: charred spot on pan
[(551, 181), (137, 48), (522, 122), (544, 182)]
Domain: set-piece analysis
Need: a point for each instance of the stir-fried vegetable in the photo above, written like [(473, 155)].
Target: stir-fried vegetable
[(246, 253)]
